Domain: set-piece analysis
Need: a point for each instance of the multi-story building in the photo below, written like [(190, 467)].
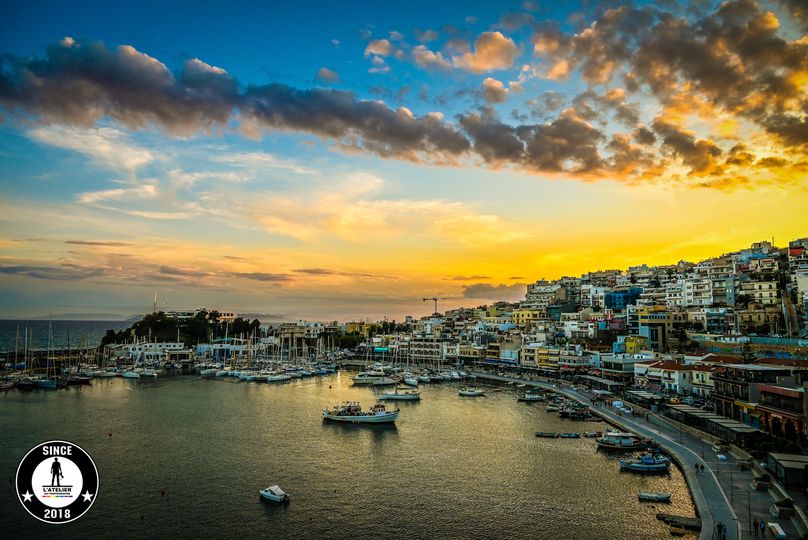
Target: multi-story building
[(782, 411), (736, 392), (761, 292), (697, 292), (656, 324), (428, 349), (619, 368)]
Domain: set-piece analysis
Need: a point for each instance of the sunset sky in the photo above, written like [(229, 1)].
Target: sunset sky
[(344, 160)]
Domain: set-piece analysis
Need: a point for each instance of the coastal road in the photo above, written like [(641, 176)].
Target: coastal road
[(711, 502)]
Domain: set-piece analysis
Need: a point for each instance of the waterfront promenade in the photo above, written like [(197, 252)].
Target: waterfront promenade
[(721, 494)]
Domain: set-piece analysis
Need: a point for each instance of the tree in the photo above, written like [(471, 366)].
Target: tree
[(747, 353)]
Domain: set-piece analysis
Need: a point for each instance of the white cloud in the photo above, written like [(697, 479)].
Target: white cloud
[(109, 147)]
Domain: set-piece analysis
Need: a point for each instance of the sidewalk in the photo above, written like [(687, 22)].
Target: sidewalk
[(722, 493)]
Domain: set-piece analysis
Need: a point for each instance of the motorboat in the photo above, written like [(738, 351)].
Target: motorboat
[(530, 397), (385, 381), (370, 377), (44, 383), (209, 373), (615, 440), (352, 412), (408, 395), (468, 391), (130, 375), (274, 494), (654, 496), (646, 463), (278, 377), (424, 378)]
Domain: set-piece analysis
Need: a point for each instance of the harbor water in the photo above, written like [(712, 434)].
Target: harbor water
[(185, 457)]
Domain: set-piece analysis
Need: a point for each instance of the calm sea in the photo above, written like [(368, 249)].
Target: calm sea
[(450, 468), (80, 332)]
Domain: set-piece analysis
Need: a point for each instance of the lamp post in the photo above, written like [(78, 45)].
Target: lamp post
[(749, 509)]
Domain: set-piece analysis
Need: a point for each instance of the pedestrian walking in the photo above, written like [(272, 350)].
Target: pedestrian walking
[(762, 528), (755, 526)]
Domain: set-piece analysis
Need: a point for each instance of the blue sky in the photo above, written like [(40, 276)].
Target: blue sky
[(344, 160)]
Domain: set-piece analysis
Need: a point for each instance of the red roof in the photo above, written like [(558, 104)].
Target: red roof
[(792, 362), (723, 358)]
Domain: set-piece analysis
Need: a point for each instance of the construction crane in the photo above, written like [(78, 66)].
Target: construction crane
[(435, 299)]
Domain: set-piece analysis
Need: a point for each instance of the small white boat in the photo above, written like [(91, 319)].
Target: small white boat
[(654, 496), (130, 375), (275, 494), (424, 378), (471, 392), (278, 377), (409, 395), (410, 381), (208, 373)]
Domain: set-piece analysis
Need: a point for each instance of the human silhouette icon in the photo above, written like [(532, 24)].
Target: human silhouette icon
[(56, 472)]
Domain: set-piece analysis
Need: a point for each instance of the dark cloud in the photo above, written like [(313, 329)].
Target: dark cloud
[(97, 243), (512, 292), (700, 155), (263, 276), (568, 144), (57, 273), (330, 272), (734, 56), (339, 115)]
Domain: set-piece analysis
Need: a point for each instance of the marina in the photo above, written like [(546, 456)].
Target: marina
[(441, 446)]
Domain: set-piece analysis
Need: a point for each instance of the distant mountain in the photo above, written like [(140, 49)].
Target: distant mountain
[(82, 317), (266, 317)]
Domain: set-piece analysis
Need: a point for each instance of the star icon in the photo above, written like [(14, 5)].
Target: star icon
[(27, 496), (87, 495)]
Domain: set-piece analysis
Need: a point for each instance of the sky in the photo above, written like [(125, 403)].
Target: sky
[(346, 160)]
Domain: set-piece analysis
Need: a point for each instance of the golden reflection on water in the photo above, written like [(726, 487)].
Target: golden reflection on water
[(451, 467)]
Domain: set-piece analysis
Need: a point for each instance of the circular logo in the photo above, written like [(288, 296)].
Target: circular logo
[(57, 482)]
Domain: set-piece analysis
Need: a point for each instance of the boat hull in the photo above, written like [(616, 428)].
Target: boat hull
[(400, 397), (386, 418)]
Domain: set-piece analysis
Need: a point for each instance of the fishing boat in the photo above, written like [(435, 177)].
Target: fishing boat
[(615, 440), (646, 463), (408, 395), (352, 412), (274, 494), (654, 496), (575, 413), (469, 391)]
